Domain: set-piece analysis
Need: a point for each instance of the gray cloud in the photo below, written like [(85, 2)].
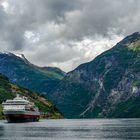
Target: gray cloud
[(65, 33)]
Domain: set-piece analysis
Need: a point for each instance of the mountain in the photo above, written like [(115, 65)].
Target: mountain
[(20, 71), (9, 91), (108, 86)]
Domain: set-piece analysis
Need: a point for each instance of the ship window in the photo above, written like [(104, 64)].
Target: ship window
[(14, 107)]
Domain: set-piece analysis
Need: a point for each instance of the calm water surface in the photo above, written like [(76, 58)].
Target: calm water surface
[(89, 129)]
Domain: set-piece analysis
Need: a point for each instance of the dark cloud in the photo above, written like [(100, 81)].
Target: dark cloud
[(59, 30)]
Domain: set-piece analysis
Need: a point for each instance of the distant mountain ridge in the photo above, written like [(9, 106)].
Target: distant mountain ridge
[(20, 71), (108, 86)]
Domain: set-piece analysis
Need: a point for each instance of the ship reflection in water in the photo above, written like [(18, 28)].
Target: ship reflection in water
[(95, 129)]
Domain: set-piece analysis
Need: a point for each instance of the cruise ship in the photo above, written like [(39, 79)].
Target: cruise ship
[(20, 109)]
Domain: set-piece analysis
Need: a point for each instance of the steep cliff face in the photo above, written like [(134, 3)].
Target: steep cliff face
[(20, 71), (108, 86)]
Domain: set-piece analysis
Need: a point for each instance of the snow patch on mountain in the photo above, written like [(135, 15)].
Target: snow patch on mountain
[(21, 56)]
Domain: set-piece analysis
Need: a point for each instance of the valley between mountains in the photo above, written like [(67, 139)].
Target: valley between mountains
[(106, 87)]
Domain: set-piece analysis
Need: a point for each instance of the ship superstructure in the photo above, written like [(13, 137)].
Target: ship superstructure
[(20, 109)]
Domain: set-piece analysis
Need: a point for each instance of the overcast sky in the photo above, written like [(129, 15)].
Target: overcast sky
[(65, 33)]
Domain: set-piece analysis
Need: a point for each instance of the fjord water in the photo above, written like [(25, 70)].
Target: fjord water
[(82, 129)]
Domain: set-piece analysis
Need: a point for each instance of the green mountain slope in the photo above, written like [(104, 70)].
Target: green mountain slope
[(20, 71), (108, 86), (129, 109), (9, 91)]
